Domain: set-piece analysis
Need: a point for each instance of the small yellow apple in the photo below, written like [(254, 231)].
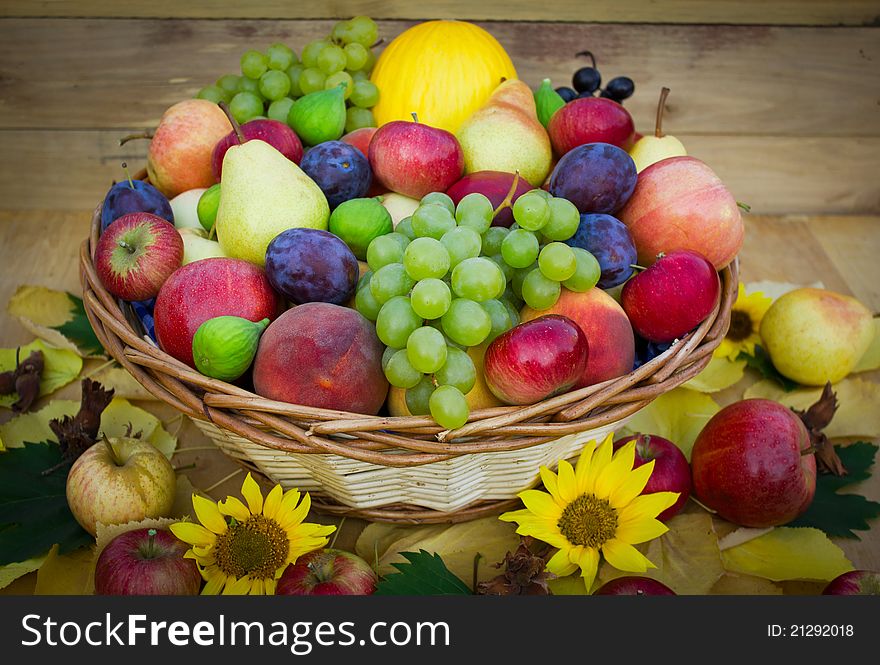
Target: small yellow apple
[(652, 149)]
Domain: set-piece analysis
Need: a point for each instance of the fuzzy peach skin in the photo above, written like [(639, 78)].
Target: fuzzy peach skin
[(180, 152), (679, 203)]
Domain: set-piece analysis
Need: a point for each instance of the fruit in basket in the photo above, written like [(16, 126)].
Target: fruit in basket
[(360, 139), (854, 583), (441, 70), (136, 254), (146, 562), (263, 194), (606, 327), (814, 336), (590, 120), (134, 196), (679, 203), (224, 347), (327, 572), (596, 177), (495, 185), (633, 585), (319, 116), (651, 149), (197, 245), (398, 206), (609, 241), (184, 207), (506, 135), (342, 370), (671, 297), (310, 265), (536, 360), (204, 289), (751, 463), (179, 157), (415, 159), (671, 473), (339, 169), (207, 206), (358, 221), (277, 134), (120, 480)]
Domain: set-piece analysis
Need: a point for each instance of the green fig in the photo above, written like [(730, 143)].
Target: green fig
[(547, 102), (206, 209), (224, 347), (319, 116)]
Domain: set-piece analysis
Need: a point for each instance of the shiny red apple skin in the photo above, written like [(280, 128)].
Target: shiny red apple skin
[(275, 133), (415, 159), (360, 139), (590, 120), (748, 465), (634, 585), (132, 565), (136, 254), (327, 572), (670, 298), (494, 185), (854, 583), (536, 359), (671, 473)]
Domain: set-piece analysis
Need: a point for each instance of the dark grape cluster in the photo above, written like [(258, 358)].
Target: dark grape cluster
[(587, 81)]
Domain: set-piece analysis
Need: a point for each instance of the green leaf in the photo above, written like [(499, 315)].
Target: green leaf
[(424, 575), (839, 515), (762, 363), (57, 317), (34, 514)]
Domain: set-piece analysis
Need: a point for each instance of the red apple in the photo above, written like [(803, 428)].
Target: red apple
[(590, 120), (536, 359), (136, 254), (327, 572), (634, 585), (276, 134), (671, 297), (854, 583), (360, 139), (415, 159), (494, 185), (671, 473), (146, 562), (204, 289), (749, 464)]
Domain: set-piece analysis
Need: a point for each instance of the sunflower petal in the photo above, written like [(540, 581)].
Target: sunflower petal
[(233, 507), (252, 494), (289, 501), (192, 533), (617, 470), (541, 504), (551, 483), (640, 531), (601, 458), (582, 467), (209, 514), (257, 588), (560, 565), (568, 490), (270, 586), (273, 501), (632, 486), (216, 580), (239, 587), (297, 515), (647, 505), (588, 562), (625, 557)]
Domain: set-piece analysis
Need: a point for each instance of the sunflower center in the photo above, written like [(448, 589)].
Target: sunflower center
[(256, 547), (588, 521), (741, 326)]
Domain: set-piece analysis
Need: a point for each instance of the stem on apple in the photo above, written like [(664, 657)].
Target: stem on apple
[(232, 121), (589, 55), (127, 175), (112, 452), (146, 134), (415, 116), (661, 106), (508, 200), (150, 552)]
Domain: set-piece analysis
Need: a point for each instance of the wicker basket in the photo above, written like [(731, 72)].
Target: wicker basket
[(406, 470)]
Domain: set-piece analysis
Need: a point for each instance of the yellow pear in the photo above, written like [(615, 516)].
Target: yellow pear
[(651, 149), (506, 135)]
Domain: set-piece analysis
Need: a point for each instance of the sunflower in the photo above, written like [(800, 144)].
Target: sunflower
[(244, 549), (594, 508), (745, 322)]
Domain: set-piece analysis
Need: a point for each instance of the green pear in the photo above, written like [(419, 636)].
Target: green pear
[(652, 149), (263, 194)]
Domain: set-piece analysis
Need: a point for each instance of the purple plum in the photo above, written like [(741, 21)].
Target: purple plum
[(339, 169), (609, 240), (596, 177), (134, 196)]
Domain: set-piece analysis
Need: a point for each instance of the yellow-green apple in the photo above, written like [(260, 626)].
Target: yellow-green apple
[(179, 157), (146, 562), (651, 149), (495, 186), (136, 254), (119, 480), (752, 463), (854, 583), (197, 245), (275, 133), (679, 203), (327, 572), (185, 207), (398, 206), (633, 585), (506, 135), (606, 327), (815, 336), (590, 120), (671, 473)]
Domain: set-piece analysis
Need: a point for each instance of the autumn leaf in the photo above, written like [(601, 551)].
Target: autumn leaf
[(719, 374), (60, 367), (744, 585), (71, 574), (123, 384), (12, 571), (423, 574), (57, 317)]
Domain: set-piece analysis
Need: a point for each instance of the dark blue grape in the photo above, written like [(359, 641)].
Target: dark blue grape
[(609, 240), (646, 351), (586, 79), (143, 309), (567, 94), (339, 169), (596, 177), (619, 88), (135, 196)]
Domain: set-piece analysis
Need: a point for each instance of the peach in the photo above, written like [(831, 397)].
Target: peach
[(679, 203), (606, 326), (298, 362)]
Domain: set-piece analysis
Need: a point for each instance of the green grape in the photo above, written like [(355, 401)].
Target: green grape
[(245, 106), (466, 322), (418, 397), (363, 30), (531, 211), (431, 298), (404, 226), (520, 248), (246, 84), (360, 75), (280, 109), (438, 198), (432, 221), (543, 193), (587, 274), (400, 372), (340, 31), (478, 279), (500, 318), (365, 302), (564, 220), (386, 355), (396, 322), (383, 251), (426, 257), (513, 309), (492, 240), (254, 64), (355, 56), (311, 80), (401, 239), (371, 62), (339, 78), (540, 292), (459, 371), (293, 73), (229, 83), (475, 211), (274, 85), (426, 349), (280, 56), (311, 51), (389, 281), (462, 243), (214, 94), (557, 262), (365, 94), (518, 276), (448, 407), (357, 118), (331, 59), (505, 268)]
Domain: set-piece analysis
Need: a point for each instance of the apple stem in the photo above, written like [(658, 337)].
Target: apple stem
[(636, 266), (112, 452), (415, 116), (124, 245), (146, 134), (508, 200), (232, 121), (127, 175), (589, 55), (744, 206), (661, 106)]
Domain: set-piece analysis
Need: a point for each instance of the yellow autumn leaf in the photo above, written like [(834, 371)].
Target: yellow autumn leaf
[(871, 359), (719, 374), (678, 415), (55, 316), (787, 553), (744, 585), (71, 574), (859, 400), (571, 585), (12, 571), (60, 367), (124, 385), (33, 427)]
